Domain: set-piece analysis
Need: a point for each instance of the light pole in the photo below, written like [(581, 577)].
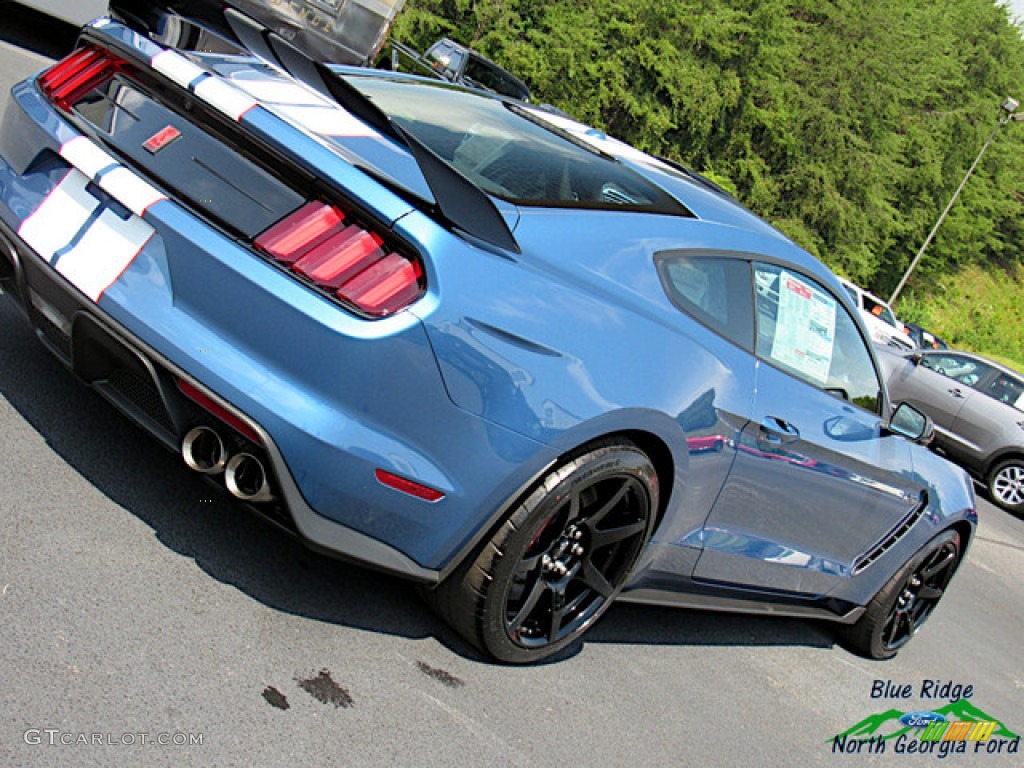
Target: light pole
[(1007, 112)]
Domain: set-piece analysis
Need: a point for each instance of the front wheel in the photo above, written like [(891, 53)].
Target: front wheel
[(903, 605), (555, 565), (1006, 485)]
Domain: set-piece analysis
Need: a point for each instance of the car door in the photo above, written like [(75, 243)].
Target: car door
[(941, 385), (990, 418), (816, 482)]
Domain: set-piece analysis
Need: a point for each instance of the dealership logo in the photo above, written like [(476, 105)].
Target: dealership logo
[(956, 728), (922, 719)]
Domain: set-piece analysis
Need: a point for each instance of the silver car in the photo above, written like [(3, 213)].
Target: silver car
[(978, 409)]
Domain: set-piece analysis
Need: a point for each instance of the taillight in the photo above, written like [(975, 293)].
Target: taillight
[(356, 265), (81, 72)]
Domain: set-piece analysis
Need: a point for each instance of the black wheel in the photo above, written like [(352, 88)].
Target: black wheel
[(1006, 485), (903, 605), (555, 565)]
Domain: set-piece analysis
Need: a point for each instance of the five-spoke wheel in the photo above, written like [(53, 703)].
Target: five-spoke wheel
[(559, 559), (899, 610)]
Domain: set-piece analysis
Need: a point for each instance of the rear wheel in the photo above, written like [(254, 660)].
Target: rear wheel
[(555, 565), (903, 605), (1006, 485)]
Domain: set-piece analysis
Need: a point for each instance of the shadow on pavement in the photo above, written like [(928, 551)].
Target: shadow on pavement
[(201, 522)]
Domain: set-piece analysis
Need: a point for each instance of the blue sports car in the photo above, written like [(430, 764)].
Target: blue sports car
[(465, 340)]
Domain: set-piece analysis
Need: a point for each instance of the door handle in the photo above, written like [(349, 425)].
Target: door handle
[(776, 430), (955, 392)]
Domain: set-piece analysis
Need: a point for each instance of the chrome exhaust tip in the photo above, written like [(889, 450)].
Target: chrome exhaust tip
[(246, 478), (204, 451)]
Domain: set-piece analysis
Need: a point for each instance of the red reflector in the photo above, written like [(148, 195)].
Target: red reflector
[(218, 410), (408, 486), (297, 234), (84, 70)]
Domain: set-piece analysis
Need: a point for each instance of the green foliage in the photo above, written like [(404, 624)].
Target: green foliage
[(848, 124), (978, 309)]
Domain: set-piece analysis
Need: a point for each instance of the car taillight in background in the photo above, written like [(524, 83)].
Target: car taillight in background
[(339, 256), (78, 74)]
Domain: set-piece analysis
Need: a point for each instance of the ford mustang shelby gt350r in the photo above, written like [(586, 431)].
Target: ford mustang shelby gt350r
[(465, 340)]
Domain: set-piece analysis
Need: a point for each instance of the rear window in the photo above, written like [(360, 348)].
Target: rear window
[(511, 155)]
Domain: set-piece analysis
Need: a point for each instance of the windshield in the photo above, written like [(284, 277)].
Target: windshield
[(507, 154)]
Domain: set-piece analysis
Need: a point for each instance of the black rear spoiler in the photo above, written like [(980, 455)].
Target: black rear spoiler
[(335, 31), (458, 201)]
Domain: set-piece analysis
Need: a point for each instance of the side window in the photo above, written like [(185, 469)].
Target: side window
[(1007, 389), (961, 369), (713, 290), (804, 330), (446, 58)]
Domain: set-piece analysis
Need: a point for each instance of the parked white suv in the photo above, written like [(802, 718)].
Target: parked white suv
[(879, 318)]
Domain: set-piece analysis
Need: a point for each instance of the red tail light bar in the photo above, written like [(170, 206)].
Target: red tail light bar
[(318, 242), (84, 70), (341, 257)]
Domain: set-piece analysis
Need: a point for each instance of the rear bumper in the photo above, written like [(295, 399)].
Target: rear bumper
[(332, 398), (143, 385)]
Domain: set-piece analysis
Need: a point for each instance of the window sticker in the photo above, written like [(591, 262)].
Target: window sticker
[(805, 331)]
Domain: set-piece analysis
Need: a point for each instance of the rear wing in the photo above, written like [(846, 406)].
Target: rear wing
[(336, 31)]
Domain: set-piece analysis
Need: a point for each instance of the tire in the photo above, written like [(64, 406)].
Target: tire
[(903, 605), (555, 565), (1006, 485)]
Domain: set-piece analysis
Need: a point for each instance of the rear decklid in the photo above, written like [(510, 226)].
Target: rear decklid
[(269, 181)]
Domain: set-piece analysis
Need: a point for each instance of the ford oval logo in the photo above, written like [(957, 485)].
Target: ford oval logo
[(921, 719)]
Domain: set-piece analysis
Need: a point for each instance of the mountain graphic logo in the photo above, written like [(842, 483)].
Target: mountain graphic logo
[(887, 725)]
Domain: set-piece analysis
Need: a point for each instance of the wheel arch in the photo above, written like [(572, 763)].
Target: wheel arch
[(652, 445), (996, 459)]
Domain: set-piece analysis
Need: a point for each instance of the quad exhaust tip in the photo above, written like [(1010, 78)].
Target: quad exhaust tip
[(246, 478), (204, 451)]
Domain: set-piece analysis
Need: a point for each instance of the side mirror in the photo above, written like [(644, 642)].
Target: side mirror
[(912, 424), (915, 358)]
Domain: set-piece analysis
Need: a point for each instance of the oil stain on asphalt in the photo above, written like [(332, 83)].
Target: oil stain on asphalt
[(275, 698), (323, 688), (440, 675)]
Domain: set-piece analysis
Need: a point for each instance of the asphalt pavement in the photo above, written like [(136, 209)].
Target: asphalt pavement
[(146, 619)]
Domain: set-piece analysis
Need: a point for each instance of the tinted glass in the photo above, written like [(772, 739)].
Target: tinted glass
[(879, 310), (510, 152), (715, 291), (957, 367), (804, 330), (1007, 389), (493, 78), (447, 58)]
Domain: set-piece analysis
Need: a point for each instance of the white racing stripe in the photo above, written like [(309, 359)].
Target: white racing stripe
[(104, 253), (230, 100), (108, 244), (86, 156), (275, 91), (326, 121), (176, 67), (60, 216), (299, 105), (124, 186), (128, 189)]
